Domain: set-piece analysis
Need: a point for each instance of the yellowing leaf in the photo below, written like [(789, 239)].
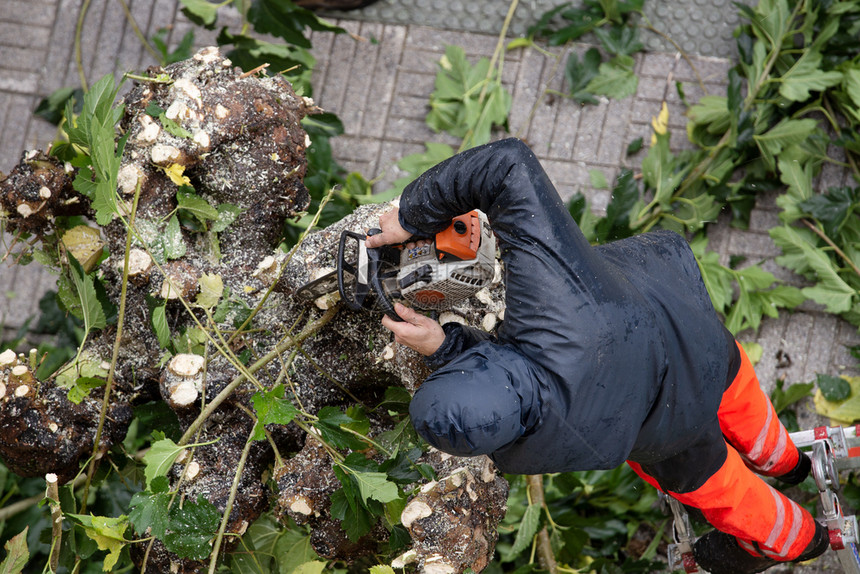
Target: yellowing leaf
[(175, 172), (107, 533), (660, 123), (843, 412), (315, 567), (85, 244), (211, 289)]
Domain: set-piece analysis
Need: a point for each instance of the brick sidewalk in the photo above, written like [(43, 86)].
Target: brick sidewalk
[(379, 85)]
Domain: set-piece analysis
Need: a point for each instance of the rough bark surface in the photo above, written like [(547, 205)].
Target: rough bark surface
[(244, 146)]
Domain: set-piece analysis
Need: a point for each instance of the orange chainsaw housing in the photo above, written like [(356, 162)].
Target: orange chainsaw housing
[(462, 238)]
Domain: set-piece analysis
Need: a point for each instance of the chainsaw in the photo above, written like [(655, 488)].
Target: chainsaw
[(433, 276)]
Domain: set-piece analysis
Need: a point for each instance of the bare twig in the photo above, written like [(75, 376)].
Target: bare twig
[(546, 557)]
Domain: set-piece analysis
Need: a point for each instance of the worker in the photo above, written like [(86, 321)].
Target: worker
[(606, 354)]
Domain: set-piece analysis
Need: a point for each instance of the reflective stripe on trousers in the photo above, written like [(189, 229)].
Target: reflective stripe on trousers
[(735, 500)]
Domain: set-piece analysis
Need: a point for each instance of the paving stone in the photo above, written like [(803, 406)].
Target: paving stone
[(18, 112), (29, 12), (19, 81), (35, 38), (357, 153), (58, 59), (526, 90)]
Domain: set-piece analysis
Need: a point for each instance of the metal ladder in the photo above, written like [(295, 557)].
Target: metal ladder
[(833, 449)]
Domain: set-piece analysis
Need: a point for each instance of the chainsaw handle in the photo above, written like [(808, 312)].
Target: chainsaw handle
[(374, 258), (364, 295)]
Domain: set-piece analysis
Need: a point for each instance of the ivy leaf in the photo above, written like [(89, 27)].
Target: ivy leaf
[(579, 75), (17, 553), (174, 128), (272, 408), (658, 170), (190, 528), (834, 389), (616, 78), (455, 104), (90, 308), (355, 520)]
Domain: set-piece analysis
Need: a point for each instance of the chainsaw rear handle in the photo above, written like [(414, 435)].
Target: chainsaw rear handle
[(364, 295)]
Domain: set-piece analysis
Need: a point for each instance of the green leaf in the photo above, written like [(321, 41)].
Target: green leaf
[(786, 133), (200, 12), (195, 205), (456, 104), (329, 424), (598, 180), (159, 325), (375, 485), (579, 75), (191, 526), (620, 40), (784, 398), (634, 146), (834, 389), (227, 214), (625, 196), (17, 553), (834, 208), (806, 76), (527, 529), (658, 170), (91, 309), (150, 511), (381, 569), (272, 408), (171, 241), (355, 519), (159, 458), (830, 290), (616, 79), (82, 388), (292, 550), (286, 21), (315, 567), (174, 128)]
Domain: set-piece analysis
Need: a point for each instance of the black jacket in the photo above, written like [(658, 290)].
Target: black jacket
[(606, 353)]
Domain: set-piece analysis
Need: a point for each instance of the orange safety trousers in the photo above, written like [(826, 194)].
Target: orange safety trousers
[(734, 499)]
